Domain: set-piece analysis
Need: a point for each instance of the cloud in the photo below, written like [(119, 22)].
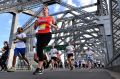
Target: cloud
[(64, 0), (91, 9), (57, 7), (62, 8), (10, 21), (5, 15), (85, 2), (71, 3), (94, 0), (19, 25)]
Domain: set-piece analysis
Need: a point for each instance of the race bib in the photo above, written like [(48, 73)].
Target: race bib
[(42, 27)]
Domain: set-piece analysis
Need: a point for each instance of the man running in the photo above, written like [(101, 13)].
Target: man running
[(90, 55), (20, 48), (70, 53), (53, 54)]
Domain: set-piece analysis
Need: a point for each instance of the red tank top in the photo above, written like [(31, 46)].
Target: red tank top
[(44, 24)]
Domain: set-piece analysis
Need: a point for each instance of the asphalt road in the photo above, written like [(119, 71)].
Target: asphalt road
[(58, 74)]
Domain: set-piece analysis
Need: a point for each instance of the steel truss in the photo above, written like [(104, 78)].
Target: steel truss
[(116, 28), (115, 19), (102, 8), (81, 28)]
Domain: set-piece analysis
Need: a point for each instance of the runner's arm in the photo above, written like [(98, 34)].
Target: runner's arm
[(53, 24)]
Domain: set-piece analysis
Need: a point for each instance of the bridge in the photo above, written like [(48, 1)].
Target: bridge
[(97, 29)]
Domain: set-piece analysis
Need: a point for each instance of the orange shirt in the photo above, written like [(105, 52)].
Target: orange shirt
[(44, 24)]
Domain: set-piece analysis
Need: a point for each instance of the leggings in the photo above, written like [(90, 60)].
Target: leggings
[(42, 41), (3, 61)]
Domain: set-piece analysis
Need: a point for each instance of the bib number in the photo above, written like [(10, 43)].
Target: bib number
[(42, 27)]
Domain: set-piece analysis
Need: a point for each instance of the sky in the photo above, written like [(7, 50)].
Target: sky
[(6, 18)]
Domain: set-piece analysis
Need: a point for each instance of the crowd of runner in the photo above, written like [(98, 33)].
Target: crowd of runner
[(52, 59)]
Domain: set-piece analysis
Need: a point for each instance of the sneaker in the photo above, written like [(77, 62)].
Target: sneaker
[(12, 69), (52, 68), (71, 67), (29, 67), (2, 69), (38, 71), (6, 69)]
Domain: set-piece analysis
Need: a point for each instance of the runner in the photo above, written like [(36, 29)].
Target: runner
[(53, 54), (70, 53), (4, 56), (90, 57), (43, 25), (20, 48)]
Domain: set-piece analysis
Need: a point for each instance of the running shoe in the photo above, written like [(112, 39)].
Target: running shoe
[(1, 69), (71, 67), (12, 69), (29, 67), (38, 71)]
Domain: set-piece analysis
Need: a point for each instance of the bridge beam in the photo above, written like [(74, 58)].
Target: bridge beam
[(12, 33)]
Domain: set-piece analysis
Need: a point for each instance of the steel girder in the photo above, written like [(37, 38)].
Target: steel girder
[(9, 5), (22, 5), (32, 18), (76, 9), (102, 8), (115, 20), (81, 16), (77, 28)]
